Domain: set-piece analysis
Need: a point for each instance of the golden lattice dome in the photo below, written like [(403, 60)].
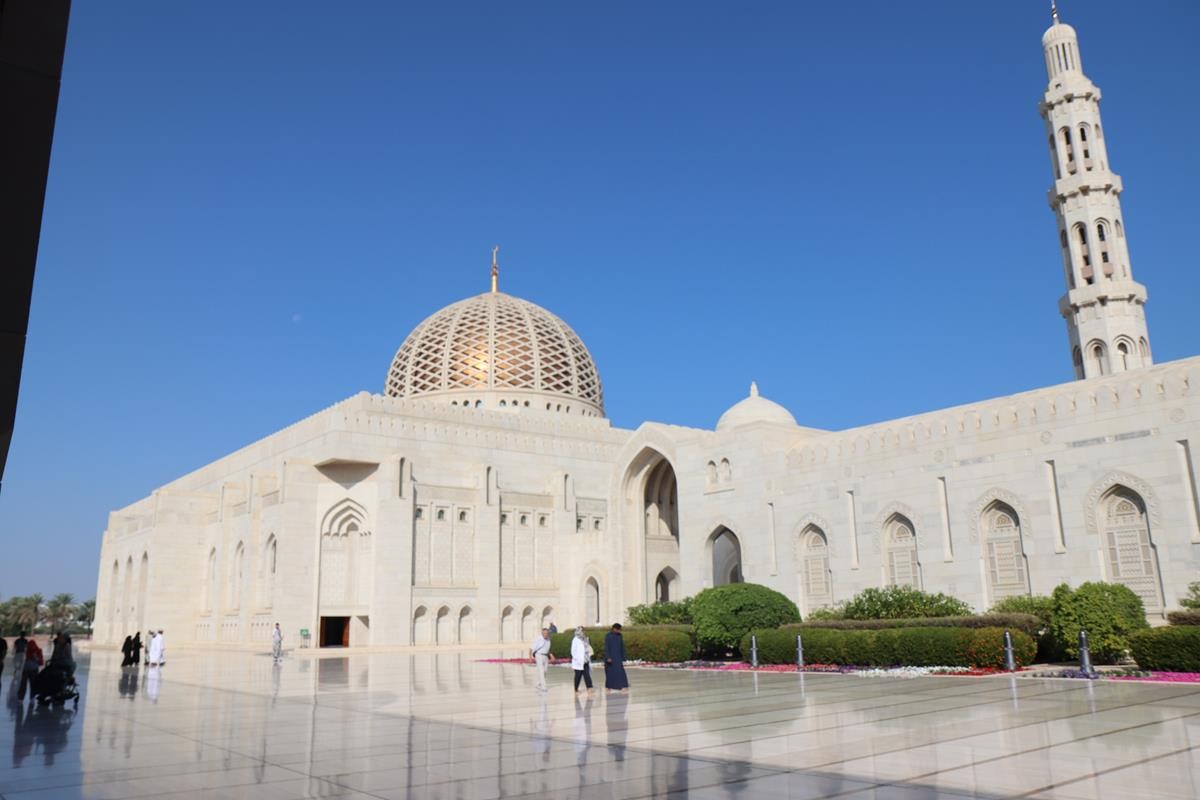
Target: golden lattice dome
[(497, 351)]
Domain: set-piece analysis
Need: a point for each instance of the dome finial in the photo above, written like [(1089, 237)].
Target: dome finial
[(754, 388), (1054, 11), (495, 268)]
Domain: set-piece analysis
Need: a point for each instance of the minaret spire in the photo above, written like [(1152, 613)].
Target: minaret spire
[(1104, 307), (495, 269)]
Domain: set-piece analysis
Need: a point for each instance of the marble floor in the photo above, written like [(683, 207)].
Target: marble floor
[(444, 725)]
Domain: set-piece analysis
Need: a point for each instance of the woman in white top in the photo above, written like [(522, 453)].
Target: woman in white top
[(581, 659)]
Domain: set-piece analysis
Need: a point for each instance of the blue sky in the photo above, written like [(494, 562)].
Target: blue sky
[(251, 204)]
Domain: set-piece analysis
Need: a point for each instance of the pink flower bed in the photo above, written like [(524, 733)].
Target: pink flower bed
[(1162, 677)]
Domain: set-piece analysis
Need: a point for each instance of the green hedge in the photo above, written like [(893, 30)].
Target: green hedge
[(1185, 617), (1171, 649), (890, 647), (659, 643), (722, 615), (1109, 612), (1026, 623)]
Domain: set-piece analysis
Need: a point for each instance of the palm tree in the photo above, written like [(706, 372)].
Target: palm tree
[(59, 610), (85, 613), (29, 612)]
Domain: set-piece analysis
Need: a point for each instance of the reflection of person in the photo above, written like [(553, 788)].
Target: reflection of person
[(43, 728), (616, 726), (277, 642), (614, 660), (541, 733), (583, 730), (152, 676), (581, 657), (539, 651)]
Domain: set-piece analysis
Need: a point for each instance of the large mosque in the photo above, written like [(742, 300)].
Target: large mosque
[(484, 491)]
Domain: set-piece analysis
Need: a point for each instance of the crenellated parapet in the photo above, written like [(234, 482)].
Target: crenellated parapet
[(1052, 408)]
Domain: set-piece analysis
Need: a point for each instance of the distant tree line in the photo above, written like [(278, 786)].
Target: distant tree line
[(35, 614)]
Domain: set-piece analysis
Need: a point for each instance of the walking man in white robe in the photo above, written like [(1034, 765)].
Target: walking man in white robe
[(155, 651), (539, 651), (277, 643)]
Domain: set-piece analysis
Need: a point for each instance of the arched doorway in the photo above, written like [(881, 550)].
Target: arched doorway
[(508, 625), (466, 626), (591, 601), (527, 624), (666, 586), (444, 630), (421, 626), (651, 492), (143, 585), (726, 557)]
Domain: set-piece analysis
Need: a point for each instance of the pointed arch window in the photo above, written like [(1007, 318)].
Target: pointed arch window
[(1131, 555), (812, 565), (901, 563), (1007, 568)]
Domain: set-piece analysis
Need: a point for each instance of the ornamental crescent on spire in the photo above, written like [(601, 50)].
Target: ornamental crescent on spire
[(495, 269)]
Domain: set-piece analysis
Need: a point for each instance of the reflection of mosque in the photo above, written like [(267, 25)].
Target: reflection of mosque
[(484, 493)]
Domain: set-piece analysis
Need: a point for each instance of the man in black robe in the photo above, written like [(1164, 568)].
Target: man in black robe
[(614, 661)]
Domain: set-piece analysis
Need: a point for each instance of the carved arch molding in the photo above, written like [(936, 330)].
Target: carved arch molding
[(1132, 482), (890, 510), (976, 509)]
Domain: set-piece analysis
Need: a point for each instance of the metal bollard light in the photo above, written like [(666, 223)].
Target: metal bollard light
[(1010, 662), (753, 651), (799, 652), (1085, 656)]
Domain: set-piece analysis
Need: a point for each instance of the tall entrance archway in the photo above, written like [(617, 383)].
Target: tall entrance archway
[(651, 493), (726, 557)]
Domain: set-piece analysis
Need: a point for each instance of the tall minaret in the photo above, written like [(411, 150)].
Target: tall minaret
[(1104, 305)]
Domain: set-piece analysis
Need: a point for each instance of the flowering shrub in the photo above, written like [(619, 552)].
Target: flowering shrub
[(1021, 622), (902, 602), (668, 613)]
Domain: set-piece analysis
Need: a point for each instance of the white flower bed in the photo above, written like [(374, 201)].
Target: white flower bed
[(908, 672)]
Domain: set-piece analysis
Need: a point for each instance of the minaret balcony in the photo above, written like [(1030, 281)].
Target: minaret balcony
[(1103, 291), (1085, 182)]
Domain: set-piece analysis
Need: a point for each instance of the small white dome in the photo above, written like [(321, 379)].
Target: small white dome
[(755, 409), (1057, 33)]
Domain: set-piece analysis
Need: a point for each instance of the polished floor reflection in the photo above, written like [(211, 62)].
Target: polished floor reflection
[(444, 725)]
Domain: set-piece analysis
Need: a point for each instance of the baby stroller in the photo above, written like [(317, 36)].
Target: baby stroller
[(56, 684)]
